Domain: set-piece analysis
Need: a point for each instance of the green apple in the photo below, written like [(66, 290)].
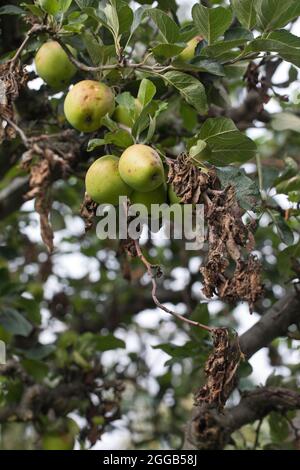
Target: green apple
[(122, 115), (158, 196), (173, 198), (188, 53), (50, 6), (141, 168), (53, 65), (57, 441), (87, 103), (103, 182)]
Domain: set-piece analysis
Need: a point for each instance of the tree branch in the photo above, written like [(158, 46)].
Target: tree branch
[(209, 429), (12, 197), (213, 430)]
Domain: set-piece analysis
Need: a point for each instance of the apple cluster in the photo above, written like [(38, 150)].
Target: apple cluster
[(139, 172)]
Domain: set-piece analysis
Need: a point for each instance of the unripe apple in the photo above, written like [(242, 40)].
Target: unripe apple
[(53, 65), (158, 196), (141, 168), (123, 116), (103, 182), (87, 103), (50, 6), (52, 441), (173, 198), (188, 53)]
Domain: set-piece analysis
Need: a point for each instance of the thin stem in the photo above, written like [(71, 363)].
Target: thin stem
[(21, 133), (257, 432), (36, 28), (149, 268), (260, 177)]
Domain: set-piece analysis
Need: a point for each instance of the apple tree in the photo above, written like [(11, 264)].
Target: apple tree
[(101, 99)]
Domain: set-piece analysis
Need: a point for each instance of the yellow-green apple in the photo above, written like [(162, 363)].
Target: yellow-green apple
[(87, 103), (141, 168), (53, 65), (103, 182)]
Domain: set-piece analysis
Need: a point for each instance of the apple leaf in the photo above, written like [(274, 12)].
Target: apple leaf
[(245, 11), (146, 92), (190, 88), (274, 14), (226, 142), (286, 44), (211, 22), (168, 28)]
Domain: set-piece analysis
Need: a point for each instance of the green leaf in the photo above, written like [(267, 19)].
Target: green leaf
[(245, 369), (107, 342), (189, 349), (138, 16), (119, 137), (112, 19), (166, 51), (152, 110), (37, 369), (284, 232), (15, 323), (220, 50), (245, 11), (125, 16), (227, 143), (278, 426), (274, 14), (64, 5), (11, 10), (39, 352), (167, 27), (190, 89), (246, 189), (284, 43), (146, 92), (201, 64), (286, 121), (197, 149), (211, 22), (84, 3)]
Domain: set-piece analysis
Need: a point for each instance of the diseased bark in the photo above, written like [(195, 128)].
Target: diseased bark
[(209, 429)]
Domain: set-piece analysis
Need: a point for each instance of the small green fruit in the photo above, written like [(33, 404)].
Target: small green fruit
[(188, 53), (87, 103), (158, 196), (173, 198), (53, 65), (103, 182), (123, 116), (52, 441), (141, 168)]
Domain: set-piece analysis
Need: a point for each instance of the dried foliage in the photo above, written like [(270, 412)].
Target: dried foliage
[(11, 82), (220, 369), (88, 212), (228, 272), (188, 181), (47, 161)]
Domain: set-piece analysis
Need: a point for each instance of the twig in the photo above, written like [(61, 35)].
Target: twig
[(36, 28), (21, 133), (257, 432), (150, 268)]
